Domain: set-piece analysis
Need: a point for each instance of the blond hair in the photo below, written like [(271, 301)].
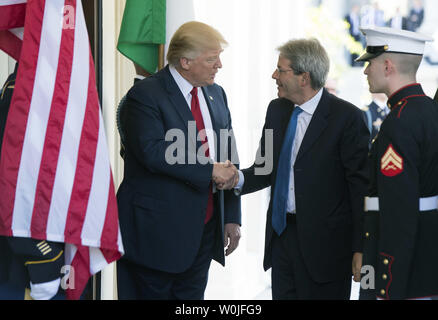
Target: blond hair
[(191, 39), (407, 64)]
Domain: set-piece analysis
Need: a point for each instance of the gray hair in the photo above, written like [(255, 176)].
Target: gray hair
[(307, 55)]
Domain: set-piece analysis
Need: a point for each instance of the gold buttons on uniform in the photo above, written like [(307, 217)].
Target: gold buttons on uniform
[(384, 277), (386, 262)]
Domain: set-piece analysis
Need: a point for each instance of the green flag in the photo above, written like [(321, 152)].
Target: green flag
[(143, 29)]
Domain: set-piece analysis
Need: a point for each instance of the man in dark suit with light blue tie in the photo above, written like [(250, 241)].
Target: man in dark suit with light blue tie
[(172, 219), (319, 146)]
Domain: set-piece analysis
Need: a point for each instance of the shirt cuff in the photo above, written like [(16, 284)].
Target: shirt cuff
[(239, 186)]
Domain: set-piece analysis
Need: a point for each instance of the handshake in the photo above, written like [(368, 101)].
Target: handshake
[(225, 175)]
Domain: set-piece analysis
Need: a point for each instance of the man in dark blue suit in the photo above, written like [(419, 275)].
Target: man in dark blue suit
[(173, 220), (319, 143)]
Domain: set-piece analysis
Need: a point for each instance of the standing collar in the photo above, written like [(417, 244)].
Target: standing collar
[(403, 93), (310, 105)]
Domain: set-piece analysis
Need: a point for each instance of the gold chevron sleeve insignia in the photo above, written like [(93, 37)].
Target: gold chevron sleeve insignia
[(391, 163)]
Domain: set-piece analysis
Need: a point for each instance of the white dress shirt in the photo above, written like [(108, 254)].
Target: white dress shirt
[(303, 121), (139, 77), (185, 87)]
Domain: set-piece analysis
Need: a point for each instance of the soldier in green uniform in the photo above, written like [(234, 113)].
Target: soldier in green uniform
[(401, 217), (29, 268)]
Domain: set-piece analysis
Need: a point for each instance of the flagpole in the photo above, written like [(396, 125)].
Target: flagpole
[(160, 56)]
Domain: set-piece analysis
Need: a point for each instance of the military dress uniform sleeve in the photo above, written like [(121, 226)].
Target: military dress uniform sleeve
[(43, 261), (398, 186)]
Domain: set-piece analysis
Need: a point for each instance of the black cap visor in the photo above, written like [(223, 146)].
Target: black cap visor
[(372, 52)]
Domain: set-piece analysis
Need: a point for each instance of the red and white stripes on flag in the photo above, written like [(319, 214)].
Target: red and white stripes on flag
[(55, 176), (12, 14)]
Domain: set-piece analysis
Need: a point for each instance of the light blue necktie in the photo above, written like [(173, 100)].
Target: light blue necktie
[(281, 190)]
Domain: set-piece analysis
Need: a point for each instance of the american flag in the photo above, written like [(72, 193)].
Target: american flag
[(55, 176)]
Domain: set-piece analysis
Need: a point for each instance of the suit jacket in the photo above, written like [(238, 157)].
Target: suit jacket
[(162, 205), (119, 119), (330, 179)]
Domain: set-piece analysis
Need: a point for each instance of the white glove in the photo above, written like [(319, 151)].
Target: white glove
[(45, 290)]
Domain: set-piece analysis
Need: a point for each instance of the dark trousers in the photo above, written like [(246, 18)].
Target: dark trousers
[(370, 252), (139, 282), (290, 278)]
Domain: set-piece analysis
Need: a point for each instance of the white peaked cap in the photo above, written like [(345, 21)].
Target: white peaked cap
[(383, 39)]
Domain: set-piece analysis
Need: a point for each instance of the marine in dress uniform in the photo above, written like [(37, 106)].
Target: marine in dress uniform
[(401, 219), (29, 268)]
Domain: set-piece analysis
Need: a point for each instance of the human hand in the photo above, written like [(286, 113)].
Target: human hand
[(231, 237), (225, 175), (356, 266)]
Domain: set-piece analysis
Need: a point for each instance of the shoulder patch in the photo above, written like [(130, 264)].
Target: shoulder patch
[(391, 163)]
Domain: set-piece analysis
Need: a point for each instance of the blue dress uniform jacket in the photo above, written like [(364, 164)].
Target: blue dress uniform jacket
[(330, 177), (24, 260), (404, 168), (373, 116), (162, 206)]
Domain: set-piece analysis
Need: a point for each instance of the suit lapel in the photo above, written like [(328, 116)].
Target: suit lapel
[(213, 108), (316, 126), (285, 121), (176, 97), (183, 110)]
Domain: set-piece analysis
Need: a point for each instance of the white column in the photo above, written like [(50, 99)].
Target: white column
[(118, 75)]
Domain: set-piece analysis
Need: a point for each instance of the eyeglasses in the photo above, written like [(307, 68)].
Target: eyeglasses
[(283, 71)]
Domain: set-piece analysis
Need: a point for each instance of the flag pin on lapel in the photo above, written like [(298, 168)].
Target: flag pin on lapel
[(391, 163)]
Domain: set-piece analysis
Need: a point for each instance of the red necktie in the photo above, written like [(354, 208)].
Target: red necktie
[(197, 115)]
